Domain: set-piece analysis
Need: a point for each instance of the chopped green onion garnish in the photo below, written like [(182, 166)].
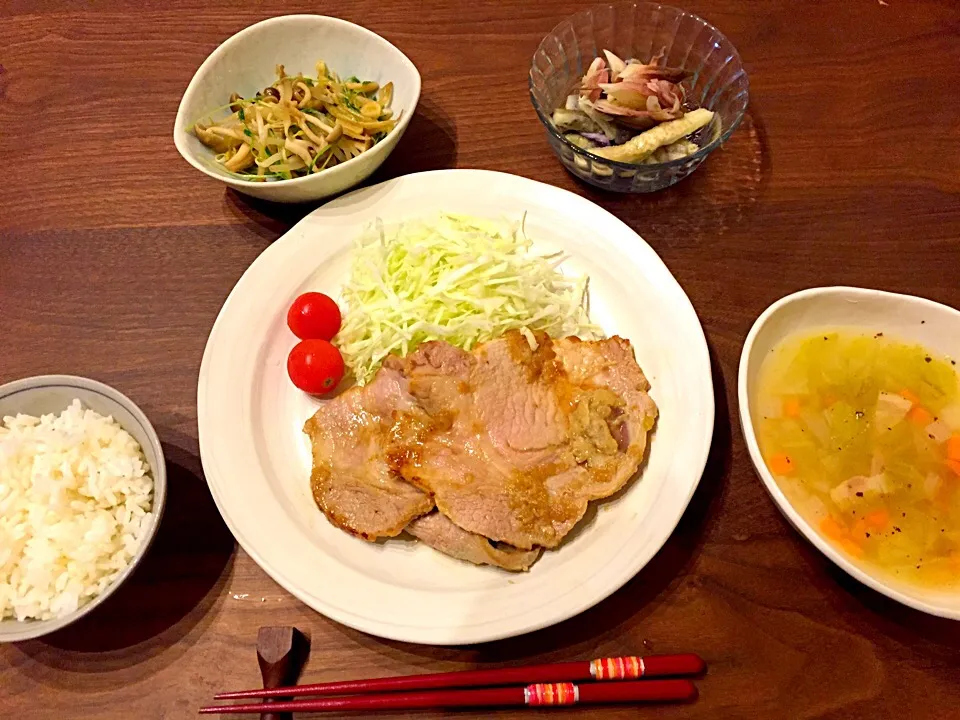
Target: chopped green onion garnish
[(319, 155)]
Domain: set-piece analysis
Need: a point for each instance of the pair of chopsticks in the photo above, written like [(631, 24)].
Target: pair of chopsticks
[(535, 685)]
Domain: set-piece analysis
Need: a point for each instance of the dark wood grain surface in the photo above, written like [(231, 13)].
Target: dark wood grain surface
[(115, 257)]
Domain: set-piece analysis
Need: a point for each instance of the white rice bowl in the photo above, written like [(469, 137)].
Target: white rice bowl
[(76, 495)]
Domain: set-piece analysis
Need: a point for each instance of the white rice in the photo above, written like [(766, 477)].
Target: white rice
[(75, 500)]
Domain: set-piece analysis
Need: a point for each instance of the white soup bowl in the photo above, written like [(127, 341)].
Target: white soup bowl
[(904, 317)]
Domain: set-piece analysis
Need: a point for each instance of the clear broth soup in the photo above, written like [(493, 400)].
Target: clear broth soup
[(862, 433)]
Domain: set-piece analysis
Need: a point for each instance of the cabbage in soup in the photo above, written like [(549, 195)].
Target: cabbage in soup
[(862, 434)]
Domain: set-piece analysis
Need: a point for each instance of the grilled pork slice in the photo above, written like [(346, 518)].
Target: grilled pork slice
[(352, 482), (441, 534), (510, 444), (519, 441)]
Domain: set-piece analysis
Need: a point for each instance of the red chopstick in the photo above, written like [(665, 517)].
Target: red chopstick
[(621, 668), (675, 690)]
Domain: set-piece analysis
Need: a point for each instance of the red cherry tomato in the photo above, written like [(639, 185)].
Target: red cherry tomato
[(315, 366), (314, 316)]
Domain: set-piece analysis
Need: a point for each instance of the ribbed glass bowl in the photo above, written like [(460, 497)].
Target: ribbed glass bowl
[(640, 30)]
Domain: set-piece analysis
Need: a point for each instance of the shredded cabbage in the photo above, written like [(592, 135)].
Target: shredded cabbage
[(461, 279)]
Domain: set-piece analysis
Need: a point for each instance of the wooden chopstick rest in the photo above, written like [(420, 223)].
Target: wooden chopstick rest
[(281, 654)]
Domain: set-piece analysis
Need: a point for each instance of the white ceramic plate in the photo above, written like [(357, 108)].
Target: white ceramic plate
[(913, 319), (257, 460)]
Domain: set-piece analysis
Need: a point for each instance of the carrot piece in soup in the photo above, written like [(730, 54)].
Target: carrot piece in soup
[(838, 532), (920, 416), (833, 529), (791, 407), (953, 447), (780, 464), (877, 519), (955, 466), (909, 395)]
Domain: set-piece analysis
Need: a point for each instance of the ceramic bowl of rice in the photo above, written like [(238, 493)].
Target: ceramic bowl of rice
[(82, 490)]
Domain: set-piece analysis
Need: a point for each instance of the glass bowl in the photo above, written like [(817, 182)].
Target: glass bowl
[(717, 82)]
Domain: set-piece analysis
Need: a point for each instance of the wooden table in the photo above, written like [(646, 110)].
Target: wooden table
[(115, 257)]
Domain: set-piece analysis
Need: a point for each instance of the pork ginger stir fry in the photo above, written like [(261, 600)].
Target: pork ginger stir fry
[(632, 112), (299, 125)]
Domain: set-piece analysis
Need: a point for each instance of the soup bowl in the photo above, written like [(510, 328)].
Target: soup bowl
[(903, 317)]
